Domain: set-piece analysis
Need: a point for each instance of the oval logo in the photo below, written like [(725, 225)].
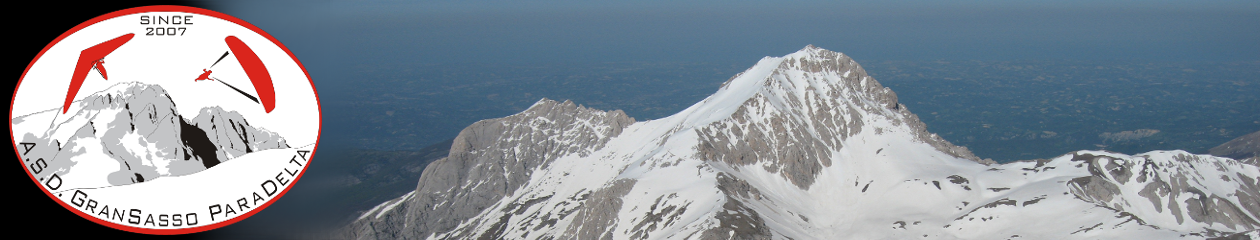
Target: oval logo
[(165, 120)]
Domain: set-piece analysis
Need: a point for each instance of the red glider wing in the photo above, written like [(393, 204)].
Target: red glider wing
[(256, 71), (88, 58)]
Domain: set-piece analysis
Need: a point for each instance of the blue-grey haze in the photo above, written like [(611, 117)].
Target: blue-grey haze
[(337, 39), (401, 75)]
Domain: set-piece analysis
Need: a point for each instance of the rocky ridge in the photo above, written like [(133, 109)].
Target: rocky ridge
[(1245, 148), (487, 162), (806, 146)]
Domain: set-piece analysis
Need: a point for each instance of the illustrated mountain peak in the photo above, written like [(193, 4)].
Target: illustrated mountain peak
[(131, 132)]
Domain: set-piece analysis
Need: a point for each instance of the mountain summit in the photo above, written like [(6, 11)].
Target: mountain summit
[(804, 146)]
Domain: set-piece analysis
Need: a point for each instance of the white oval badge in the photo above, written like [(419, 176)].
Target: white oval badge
[(165, 120)]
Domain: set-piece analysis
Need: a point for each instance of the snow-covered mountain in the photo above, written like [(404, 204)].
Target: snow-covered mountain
[(805, 146), (131, 133)]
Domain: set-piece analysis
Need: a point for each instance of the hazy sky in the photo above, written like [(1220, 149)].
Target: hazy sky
[(338, 32)]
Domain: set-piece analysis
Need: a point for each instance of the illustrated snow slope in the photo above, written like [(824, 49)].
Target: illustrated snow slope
[(805, 146)]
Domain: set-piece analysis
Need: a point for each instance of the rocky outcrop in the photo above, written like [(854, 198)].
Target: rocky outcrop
[(234, 135), (1170, 186), (803, 111), (599, 213), (490, 160)]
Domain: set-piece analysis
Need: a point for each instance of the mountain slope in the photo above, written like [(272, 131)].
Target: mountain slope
[(806, 146), (1245, 148)]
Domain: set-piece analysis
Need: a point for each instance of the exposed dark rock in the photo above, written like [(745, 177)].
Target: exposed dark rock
[(599, 212), (955, 179), (199, 146), (737, 221)]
